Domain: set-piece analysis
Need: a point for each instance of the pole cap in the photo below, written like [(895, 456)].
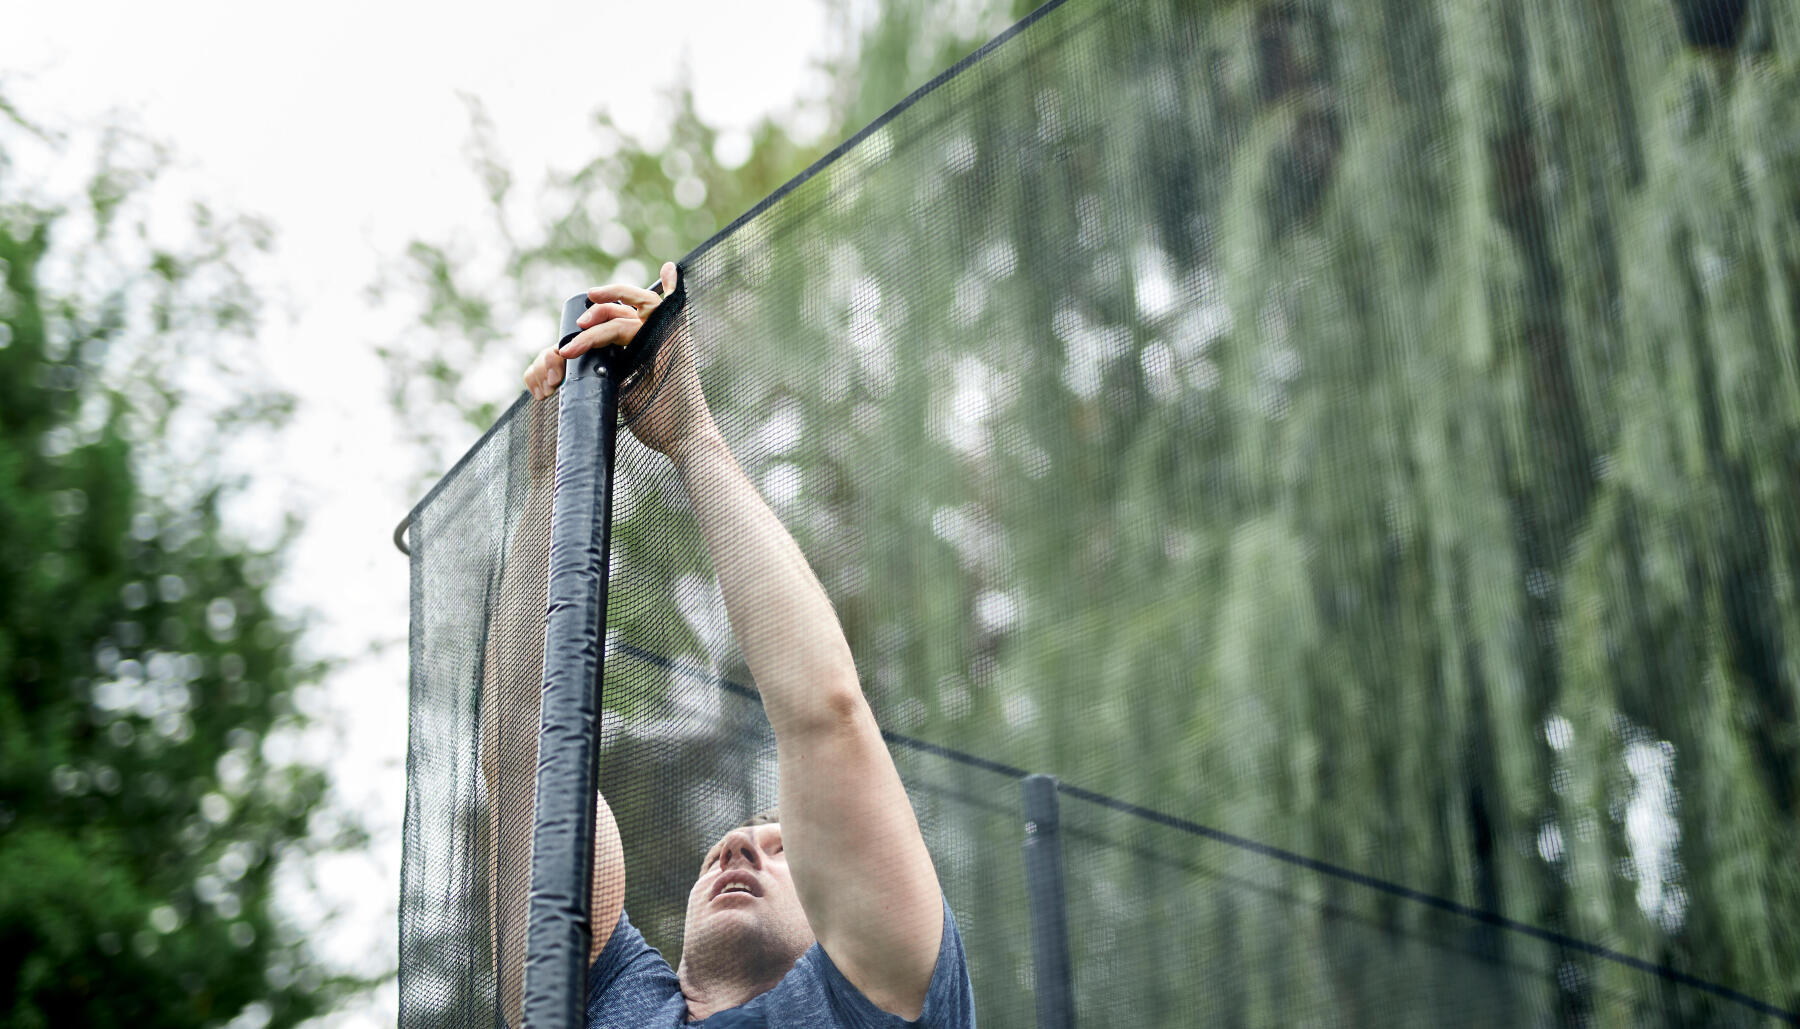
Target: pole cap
[(572, 309)]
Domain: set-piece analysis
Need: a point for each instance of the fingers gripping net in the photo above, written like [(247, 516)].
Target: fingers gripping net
[(1353, 454)]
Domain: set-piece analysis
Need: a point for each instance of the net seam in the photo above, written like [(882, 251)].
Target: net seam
[(893, 112), (461, 462)]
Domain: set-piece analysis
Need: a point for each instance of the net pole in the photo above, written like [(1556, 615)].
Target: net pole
[(1044, 892), (560, 908)]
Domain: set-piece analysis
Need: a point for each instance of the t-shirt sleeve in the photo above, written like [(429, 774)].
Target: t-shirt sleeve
[(628, 982), (949, 1000)]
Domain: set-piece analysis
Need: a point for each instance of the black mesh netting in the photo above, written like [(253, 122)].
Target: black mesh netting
[(1352, 447), (480, 547)]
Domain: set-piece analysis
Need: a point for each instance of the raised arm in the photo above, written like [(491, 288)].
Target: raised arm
[(859, 863)]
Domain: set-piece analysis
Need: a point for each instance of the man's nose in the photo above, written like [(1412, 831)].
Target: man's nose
[(740, 849)]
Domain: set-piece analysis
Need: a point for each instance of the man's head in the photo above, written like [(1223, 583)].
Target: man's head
[(744, 920)]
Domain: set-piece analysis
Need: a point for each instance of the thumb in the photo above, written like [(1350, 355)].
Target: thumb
[(668, 278)]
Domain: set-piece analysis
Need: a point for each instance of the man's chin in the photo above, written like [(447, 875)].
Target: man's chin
[(734, 902), (740, 915), (737, 925)]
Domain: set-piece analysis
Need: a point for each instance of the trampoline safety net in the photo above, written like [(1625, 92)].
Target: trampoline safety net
[(1351, 448)]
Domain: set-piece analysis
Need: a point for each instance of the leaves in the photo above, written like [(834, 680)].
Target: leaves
[(141, 817)]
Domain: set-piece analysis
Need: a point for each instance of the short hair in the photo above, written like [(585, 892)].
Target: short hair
[(764, 817)]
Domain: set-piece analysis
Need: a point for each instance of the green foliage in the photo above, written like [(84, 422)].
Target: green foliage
[(141, 818), (615, 217), (626, 207)]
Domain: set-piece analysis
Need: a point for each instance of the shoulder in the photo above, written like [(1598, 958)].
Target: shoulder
[(630, 984), (818, 993)]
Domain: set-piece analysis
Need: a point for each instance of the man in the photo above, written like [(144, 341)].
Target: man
[(830, 913)]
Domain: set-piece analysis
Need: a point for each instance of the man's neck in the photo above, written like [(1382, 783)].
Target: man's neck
[(707, 999)]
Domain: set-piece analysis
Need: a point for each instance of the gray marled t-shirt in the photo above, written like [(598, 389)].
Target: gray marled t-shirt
[(632, 987)]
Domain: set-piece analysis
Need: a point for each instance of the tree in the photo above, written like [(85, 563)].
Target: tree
[(627, 208), (142, 817)]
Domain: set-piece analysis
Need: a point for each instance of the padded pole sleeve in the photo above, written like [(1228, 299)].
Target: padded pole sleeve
[(560, 914)]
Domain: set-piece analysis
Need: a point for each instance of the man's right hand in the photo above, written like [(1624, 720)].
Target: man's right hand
[(667, 412), (618, 312)]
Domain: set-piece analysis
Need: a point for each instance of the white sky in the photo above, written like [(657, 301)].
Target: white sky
[(341, 123)]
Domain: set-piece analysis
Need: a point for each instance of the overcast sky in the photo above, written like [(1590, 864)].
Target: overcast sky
[(341, 123)]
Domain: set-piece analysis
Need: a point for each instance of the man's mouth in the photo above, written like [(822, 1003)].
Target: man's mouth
[(736, 883)]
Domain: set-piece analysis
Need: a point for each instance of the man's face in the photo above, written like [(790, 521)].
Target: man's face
[(744, 917)]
